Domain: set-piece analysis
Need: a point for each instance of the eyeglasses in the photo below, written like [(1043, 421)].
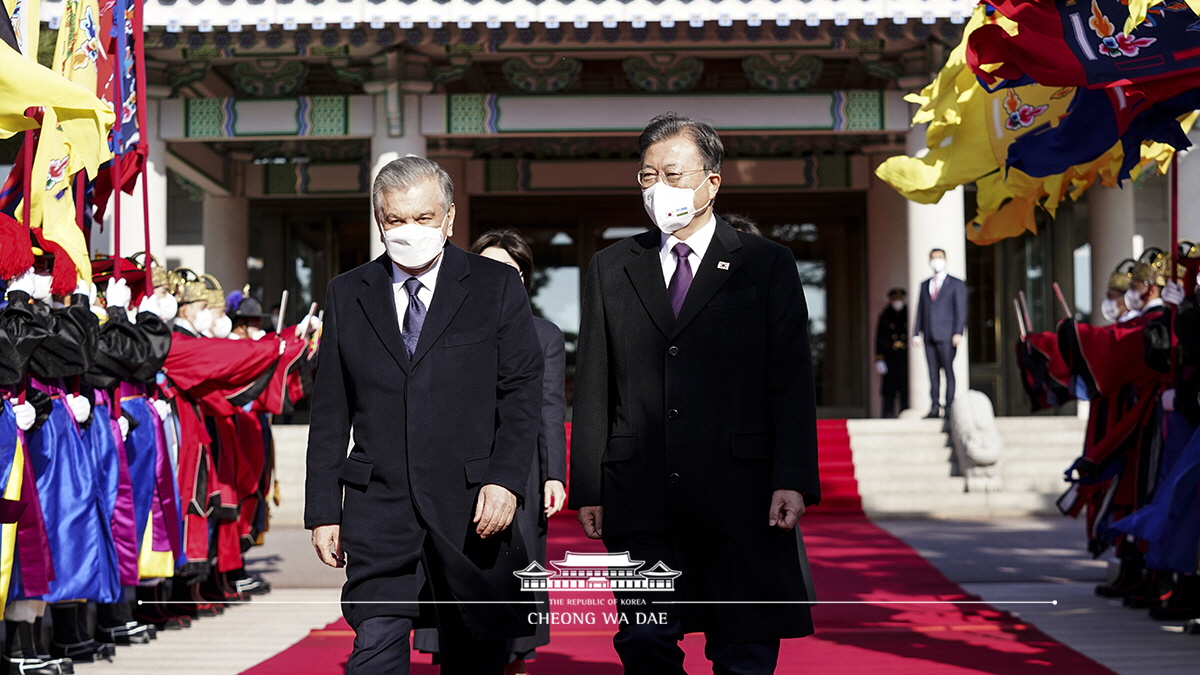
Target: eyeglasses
[(648, 178)]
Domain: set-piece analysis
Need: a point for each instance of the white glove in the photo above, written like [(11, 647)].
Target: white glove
[(80, 407), (1168, 400), (162, 408), (917, 341), (26, 415), (149, 304), (1172, 293), (881, 367), (124, 425), (118, 293), (23, 282), (314, 324), (86, 288)]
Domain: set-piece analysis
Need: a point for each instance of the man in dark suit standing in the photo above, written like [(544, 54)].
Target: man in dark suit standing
[(941, 318), (429, 355), (694, 439)]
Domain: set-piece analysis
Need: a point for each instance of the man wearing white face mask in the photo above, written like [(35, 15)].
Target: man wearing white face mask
[(429, 353), (941, 318), (695, 416), (194, 318)]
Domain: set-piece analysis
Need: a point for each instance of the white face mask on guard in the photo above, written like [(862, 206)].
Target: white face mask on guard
[(1133, 300), (414, 246), (203, 320), (222, 326), (671, 208), (1110, 310)]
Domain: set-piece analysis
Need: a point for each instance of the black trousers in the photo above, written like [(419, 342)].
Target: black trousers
[(381, 648), (895, 385), (940, 357), (653, 648)]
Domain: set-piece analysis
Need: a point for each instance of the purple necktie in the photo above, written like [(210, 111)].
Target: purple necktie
[(681, 280), (414, 316)]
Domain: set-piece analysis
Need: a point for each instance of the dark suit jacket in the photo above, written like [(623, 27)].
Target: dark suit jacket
[(552, 440), (939, 320), (463, 413), (683, 427)]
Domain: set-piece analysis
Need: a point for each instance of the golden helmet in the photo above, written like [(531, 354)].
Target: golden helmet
[(215, 294), (159, 276), (187, 285), (1119, 280)]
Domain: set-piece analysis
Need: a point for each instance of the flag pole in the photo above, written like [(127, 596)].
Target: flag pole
[(119, 109), (139, 60), (1174, 261)]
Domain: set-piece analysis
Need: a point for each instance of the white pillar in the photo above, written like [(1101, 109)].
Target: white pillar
[(1110, 232), (387, 145), (887, 266), (931, 226), (1189, 191), (226, 240)]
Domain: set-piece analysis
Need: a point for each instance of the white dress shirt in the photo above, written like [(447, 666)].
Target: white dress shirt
[(698, 242), (428, 280), (935, 282)]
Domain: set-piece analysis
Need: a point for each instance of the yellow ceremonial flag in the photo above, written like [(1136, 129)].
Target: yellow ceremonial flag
[(26, 84), (79, 48), (26, 22), (1138, 9), (8, 531), (52, 203)]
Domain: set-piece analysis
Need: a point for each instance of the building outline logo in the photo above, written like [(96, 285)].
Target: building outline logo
[(593, 572)]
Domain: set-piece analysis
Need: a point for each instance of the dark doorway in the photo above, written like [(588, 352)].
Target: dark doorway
[(299, 245)]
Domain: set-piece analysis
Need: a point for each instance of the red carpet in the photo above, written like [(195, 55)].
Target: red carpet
[(851, 559)]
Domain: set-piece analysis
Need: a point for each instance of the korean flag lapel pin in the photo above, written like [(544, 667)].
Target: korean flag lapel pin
[(722, 265)]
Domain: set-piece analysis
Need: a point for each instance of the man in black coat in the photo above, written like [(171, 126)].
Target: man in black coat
[(891, 353), (430, 355), (941, 318), (694, 440)]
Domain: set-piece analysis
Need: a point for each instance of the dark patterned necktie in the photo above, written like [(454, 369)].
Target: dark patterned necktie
[(681, 280), (414, 316)]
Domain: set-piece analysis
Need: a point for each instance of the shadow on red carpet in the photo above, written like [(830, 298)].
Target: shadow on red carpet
[(851, 560)]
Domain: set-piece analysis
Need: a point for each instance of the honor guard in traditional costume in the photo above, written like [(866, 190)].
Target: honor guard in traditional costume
[(891, 353)]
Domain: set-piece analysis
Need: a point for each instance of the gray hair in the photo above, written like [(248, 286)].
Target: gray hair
[(670, 125), (400, 174)]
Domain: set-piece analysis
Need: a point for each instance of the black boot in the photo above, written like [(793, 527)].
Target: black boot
[(1130, 579), (21, 653), (248, 584), (65, 665), (71, 638), (1184, 603), (150, 609), (115, 625), (1159, 589)]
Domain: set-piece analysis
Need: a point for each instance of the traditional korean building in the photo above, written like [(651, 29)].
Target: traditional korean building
[(268, 119)]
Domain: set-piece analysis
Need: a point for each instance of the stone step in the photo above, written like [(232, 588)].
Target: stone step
[(958, 505)]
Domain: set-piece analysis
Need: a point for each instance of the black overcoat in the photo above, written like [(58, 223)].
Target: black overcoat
[(683, 427), (427, 434)]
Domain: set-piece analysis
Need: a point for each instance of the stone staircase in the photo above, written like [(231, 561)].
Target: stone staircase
[(905, 468)]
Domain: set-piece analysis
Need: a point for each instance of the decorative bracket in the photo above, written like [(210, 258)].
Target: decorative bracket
[(783, 71), (663, 73)]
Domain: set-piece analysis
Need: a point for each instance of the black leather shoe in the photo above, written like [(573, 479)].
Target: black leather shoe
[(933, 415), (83, 652), (15, 665), (136, 634)]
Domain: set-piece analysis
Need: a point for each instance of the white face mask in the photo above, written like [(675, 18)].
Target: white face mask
[(222, 326), (897, 305), (937, 264), (414, 246), (1110, 310), (203, 320), (41, 287), (671, 208), (1133, 300)]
